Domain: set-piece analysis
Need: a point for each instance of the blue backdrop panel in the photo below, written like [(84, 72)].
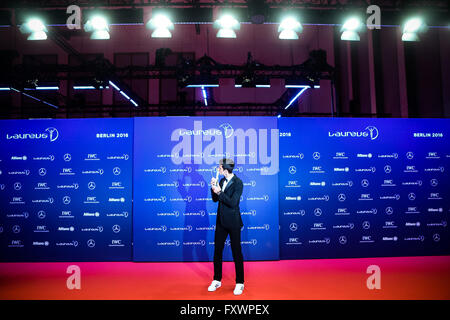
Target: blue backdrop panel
[(65, 190), (174, 216), (363, 187)]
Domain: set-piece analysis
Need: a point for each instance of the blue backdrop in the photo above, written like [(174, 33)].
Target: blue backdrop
[(175, 157), (347, 187), (65, 190), (363, 187)]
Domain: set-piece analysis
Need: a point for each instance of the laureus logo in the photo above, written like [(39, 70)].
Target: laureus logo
[(369, 132), (50, 133), (227, 129)]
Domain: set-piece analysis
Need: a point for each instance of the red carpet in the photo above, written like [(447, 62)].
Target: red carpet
[(401, 278)]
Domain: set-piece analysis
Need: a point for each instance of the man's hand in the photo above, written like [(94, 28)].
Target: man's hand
[(216, 189), (213, 182)]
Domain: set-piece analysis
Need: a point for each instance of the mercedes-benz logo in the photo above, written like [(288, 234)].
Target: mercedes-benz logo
[(17, 186), (116, 171), (42, 172), (16, 228), (387, 169), (91, 185), (293, 226), (292, 169), (366, 225), (91, 243), (341, 197), (66, 200), (116, 228), (436, 237), (433, 182), (316, 155), (342, 239), (67, 157), (365, 183), (41, 214), (317, 212), (411, 196), (389, 210), (409, 155)]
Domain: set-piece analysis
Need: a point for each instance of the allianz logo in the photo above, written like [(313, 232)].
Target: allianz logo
[(91, 214), (41, 243), (71, 229), (122, 199), (369, 132), (318, 184), (24, 158), (50, 133), (364, 155), (297, 198)]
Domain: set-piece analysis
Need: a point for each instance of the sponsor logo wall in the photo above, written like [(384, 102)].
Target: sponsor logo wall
[(363, 187), (174, 161), (65, 190), (313, 187)]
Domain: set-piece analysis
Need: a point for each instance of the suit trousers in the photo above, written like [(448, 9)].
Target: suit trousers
[(220, 236)]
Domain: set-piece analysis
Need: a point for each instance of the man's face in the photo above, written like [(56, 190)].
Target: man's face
[(220, 169)]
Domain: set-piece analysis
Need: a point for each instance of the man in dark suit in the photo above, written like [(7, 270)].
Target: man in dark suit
[(228, 222)]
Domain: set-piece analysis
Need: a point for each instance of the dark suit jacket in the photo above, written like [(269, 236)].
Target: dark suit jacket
[(228, 210)]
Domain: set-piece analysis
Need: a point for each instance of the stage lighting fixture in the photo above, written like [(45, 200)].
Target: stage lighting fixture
[(350, 29), (161, 25), (98, 26), (115, 86), (36, 28), (289, 29), (205, 96), (411, 29), (206, 81), (251, 81), (227, 25)]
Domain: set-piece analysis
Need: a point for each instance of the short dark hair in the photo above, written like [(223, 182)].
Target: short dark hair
[(227, 164)]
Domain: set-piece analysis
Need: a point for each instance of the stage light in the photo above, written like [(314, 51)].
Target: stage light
[(251, 81), (206, 81), (98, 26), (227, 25), (36, 28), (161, 25), (289, 29), (205, 97), (34, 98), (411, 29), (350, 29), (115, 86)]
